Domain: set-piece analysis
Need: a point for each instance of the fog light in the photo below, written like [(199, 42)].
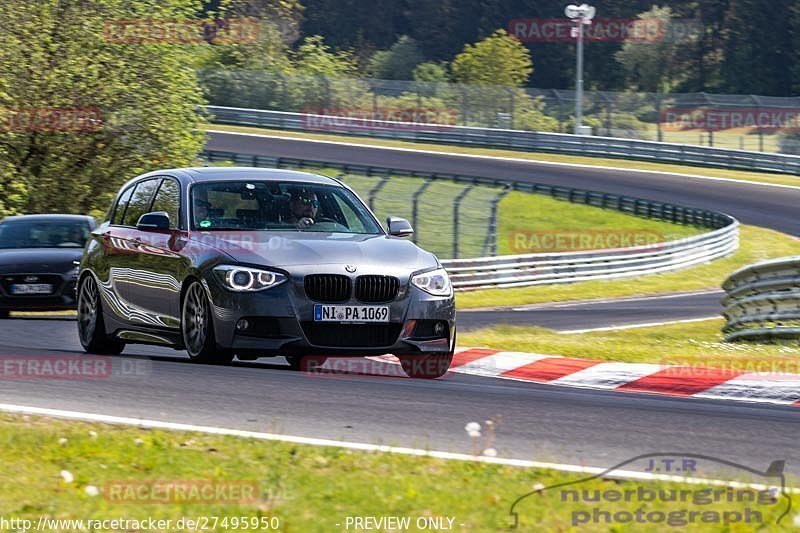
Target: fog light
[(438, 329), (242, 325)]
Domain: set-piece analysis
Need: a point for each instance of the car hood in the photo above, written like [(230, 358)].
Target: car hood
[(311, 248), (38, 260)]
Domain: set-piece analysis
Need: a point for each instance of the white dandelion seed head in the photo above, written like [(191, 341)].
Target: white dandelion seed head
[(490, 452), (91, 490), (67, 476)]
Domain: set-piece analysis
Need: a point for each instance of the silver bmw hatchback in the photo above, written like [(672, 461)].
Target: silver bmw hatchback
[(244, 262)]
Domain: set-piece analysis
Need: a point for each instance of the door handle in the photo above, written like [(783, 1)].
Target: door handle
[(137, 242)]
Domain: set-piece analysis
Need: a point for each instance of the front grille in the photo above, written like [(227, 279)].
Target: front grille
[(351, 335), (329, 288), (376, 289), (21, 279)]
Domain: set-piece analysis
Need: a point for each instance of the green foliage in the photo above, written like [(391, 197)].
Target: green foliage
[(396, 63), (55, 55), (431, 73), (497, 60), (655, 66), (315, 58)]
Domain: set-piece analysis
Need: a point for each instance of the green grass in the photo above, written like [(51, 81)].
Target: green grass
[(517, 212), (520, 213), (693, 343), (757, 244), (306, 488), (743, 175)]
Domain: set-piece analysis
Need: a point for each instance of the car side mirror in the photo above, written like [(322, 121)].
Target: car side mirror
[(156, 221), (399, 227)]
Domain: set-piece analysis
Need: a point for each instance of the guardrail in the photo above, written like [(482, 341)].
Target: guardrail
[(549, 268), (763, 301), (585, 145)]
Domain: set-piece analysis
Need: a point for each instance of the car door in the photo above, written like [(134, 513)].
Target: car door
[(124, 242), (107, 252), (153, 283)]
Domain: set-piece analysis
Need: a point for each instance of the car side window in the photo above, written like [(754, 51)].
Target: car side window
[(122, 203), (168, 199), (139, 203)]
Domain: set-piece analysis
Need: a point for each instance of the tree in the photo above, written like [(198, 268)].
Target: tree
[(431, 72), (497, 60), (278, 27), (396, 63), (55, 56), (316, 58), (655, 66)]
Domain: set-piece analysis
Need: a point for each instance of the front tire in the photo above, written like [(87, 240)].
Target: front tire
[(197, 328), (426, 366), (91, 326)]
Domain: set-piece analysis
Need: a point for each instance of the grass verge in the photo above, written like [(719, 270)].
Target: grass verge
[(693, 343), (305, 488), (743, 175), (757, 244)]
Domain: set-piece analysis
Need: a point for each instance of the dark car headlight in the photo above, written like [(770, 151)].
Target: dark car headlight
[(246, 279), (435, 282)]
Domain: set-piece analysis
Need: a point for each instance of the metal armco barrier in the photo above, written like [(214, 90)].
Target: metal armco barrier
[(549, 268), (763, 301), (585, 145)]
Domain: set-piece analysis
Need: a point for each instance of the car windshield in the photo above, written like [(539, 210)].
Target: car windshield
[(279, 206), (53, 233)]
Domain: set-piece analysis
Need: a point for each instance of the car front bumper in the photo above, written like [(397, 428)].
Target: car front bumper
[(62, 298), (281, 320)]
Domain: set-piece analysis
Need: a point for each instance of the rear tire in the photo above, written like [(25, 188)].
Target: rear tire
[(4, 314), (197, 329), (91, 326), (426, 366)]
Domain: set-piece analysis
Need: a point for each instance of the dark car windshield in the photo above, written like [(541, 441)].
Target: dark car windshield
[(279, 206), (42, 233)]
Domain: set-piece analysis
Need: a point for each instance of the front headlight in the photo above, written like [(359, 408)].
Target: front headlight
[(246, 279), (435, 282)]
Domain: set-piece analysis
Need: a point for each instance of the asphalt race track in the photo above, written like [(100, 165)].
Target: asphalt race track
[(540, 422), (599, 314), (769, 207)]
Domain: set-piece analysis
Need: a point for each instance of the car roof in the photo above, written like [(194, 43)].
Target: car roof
[(203, 174), (63, 217)]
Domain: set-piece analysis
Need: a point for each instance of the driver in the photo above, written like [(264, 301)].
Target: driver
[(304, 205)]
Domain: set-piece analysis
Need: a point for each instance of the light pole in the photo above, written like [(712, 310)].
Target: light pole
[(582, 14)]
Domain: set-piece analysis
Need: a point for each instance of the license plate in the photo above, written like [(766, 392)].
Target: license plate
[(350, 313), (32, 288)]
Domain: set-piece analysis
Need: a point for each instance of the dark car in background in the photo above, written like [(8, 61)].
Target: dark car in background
[(247, 262), (39, 257)]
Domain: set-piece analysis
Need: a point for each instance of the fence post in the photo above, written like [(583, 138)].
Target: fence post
[(659, 133), (491, 240), (511, 105), (464, 106), (415, 207), (374, 191), (456, 206)]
